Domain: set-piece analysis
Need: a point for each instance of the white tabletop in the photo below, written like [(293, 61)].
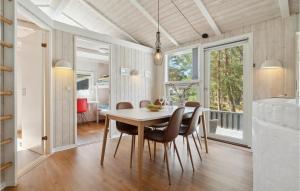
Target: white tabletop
[(143, 114)]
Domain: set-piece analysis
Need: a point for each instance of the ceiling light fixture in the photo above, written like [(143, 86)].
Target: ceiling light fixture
[(158, 56)]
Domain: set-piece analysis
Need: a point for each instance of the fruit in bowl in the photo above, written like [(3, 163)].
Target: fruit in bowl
[(154, 108)]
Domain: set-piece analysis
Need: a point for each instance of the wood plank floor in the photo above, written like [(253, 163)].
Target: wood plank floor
[(90, 132), (225, 168)]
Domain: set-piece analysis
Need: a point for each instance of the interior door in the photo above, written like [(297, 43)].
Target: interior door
[(33, 92), (227, 91)]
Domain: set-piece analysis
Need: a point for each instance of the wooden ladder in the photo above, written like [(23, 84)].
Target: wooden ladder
[(6, 166), (5, 20)]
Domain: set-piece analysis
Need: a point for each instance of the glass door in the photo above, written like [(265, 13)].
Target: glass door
[(227, 91)]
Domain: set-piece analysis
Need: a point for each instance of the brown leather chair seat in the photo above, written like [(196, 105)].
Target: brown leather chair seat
[(155, 135)]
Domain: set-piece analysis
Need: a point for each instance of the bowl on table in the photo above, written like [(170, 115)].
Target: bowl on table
[(154, 108)]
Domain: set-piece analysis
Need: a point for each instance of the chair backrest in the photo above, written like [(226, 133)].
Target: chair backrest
[(192, 104), (172, 131), (194, 121), (82, 105), (124, 105), (144, 103)]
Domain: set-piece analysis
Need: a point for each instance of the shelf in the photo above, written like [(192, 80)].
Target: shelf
[(6, 93), (6, 141), (5, 20), (6, 69), (6, 44), (5, 117), (6, 166)]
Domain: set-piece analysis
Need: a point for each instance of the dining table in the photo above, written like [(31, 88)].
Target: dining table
[(142, 117)]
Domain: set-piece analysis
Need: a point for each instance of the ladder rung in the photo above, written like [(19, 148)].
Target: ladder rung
[(6, 141), (6, 68), (6, 44), (6, 165), (6, 93), (5, 117), (6, 20)]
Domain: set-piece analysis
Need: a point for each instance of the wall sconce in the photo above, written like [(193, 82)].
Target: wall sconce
[(134, 72), (271, 64), (63, 64)]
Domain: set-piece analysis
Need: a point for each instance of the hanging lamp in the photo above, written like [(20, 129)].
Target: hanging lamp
[(158, 56)]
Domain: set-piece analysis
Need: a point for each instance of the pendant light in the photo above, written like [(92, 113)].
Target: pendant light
[(158, 56)]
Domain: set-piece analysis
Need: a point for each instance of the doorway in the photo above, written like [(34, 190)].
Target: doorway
[(31, 55), (92, 89), (228, 89)]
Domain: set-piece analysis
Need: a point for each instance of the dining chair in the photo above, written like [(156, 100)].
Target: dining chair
[(186, 130), (127, 129), (187, 117), (144, 103), (82, 108), (168, 135)]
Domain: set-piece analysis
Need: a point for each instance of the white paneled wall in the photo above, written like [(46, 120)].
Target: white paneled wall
[(123, 88), (272, 39), (130, 88), (63, 91)]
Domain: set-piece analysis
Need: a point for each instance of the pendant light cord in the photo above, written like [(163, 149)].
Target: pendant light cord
[(185, 17), (158, 15)]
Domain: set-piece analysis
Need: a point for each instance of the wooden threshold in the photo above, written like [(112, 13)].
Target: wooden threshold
[(6, 93), (6, 141), (229, 142), (5, 117), (6, 69), (6, 44), (5, 20), (6, 166)]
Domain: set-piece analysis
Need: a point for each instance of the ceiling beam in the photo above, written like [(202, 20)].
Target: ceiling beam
[(153, 21), (79, 24), (284, 8), (60, 8), (208, 17), (106, 19)]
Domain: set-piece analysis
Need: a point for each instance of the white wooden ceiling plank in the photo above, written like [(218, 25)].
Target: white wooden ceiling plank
[(60, 8), (154, 22), (106, 19), (208, 17)]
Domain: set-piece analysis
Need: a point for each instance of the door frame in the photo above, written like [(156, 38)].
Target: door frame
[(247, 84), (76, 37), (47, 89)]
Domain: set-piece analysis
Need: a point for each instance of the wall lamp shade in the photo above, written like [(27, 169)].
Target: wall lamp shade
[(63, 64), (271, 64)]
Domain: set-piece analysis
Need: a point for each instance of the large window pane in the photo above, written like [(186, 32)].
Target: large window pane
[(183, 66)]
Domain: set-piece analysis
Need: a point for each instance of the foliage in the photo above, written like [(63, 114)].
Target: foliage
[(180, 68), (226, 79)]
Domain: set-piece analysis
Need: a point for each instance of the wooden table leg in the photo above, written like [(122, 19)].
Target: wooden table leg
[(140, 155), (104, 138), (204, 131)]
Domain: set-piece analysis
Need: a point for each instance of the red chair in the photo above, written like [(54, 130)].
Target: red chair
[(82, 107)]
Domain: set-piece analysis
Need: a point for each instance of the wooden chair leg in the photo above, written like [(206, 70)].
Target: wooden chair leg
[(197, 147), (190, 152), (175, 147), (154, 151), (118, 145), (199, 139), (167, 162), (149, 149), (131, 153)]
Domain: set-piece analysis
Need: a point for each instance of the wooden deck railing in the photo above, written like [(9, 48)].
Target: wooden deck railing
[(228, 120)]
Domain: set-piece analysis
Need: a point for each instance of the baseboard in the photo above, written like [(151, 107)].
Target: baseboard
[(2, 185), (62, 148), (31, 165)]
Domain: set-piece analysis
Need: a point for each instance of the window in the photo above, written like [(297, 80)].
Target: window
[(182, 76)]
